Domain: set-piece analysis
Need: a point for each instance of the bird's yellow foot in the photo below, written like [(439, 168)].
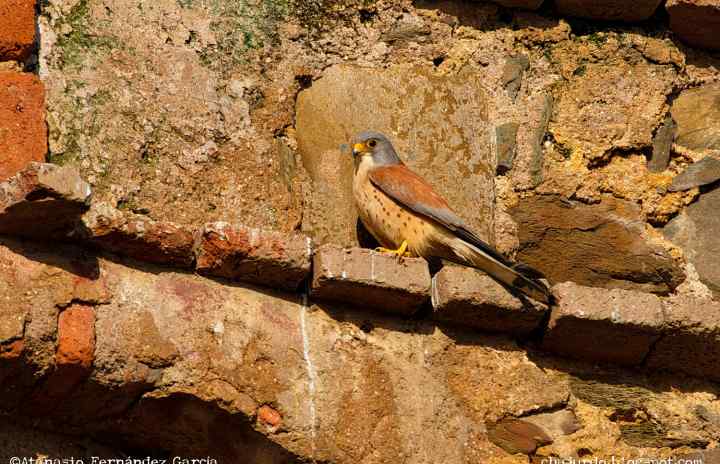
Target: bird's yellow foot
[(402, 251)]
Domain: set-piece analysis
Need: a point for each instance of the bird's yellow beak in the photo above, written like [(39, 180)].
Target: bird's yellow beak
[(359, 148)]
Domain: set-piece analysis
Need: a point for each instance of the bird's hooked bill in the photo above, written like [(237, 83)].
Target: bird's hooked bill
[(358, 148)]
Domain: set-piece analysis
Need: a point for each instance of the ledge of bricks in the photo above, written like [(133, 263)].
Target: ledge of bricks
[(630, 328), (253, 255), (366, 278), (138, 237), (470, 298)]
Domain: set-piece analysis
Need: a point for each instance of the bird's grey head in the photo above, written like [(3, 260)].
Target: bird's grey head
[(377, 146)]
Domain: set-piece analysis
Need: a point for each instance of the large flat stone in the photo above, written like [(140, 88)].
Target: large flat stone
[(438, 125), (613, 10), (365, 277), (696, 21), (697, 114), (43, 201), (697, 231), (598, 245), (252, 255), (691, 338), (704, 172), (469, 298), (615, 326)]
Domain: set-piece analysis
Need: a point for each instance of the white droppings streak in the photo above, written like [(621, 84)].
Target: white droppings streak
[(312, 376), (308, 245), (372, 266), (253, 237), (343, 272), (434, 296)]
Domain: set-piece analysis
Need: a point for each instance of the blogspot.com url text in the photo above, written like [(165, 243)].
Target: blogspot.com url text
[(621, 460)]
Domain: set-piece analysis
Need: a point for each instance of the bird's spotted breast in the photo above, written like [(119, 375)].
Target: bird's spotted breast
[(388, 221)]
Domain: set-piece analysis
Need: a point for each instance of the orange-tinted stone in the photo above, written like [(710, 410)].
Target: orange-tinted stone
[(76, 336)]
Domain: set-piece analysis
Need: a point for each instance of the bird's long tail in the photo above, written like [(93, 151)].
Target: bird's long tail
[(518, 276)]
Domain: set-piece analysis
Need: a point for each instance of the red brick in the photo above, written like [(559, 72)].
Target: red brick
[(470, 298), (139, 237), (613, 10), (251, 255), (366, 278), (696, 22), (17, 29), (23, 134), (597, 324), (43, 201), (76, 337)]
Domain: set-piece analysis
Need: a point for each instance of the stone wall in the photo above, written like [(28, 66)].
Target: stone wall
[(184, 277)]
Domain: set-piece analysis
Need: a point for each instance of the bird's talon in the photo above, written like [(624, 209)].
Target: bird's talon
[(401, 252)]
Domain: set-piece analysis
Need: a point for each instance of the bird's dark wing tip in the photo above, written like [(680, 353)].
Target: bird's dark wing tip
[(528, 271)]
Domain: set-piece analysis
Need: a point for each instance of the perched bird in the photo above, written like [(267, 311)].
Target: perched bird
[(408, 218)]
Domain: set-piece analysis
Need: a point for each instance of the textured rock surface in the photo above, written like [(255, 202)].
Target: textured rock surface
[(23, 135), (17, 23), (608, 106), (696, 21), (697, 113), (184, 112), (213, 354), (152, 102), (617, 326), (696, 232), (416, 109), (43, 201), (706, 171), (615, 10), (370, 279), (253, 255), (472, 299), (599, 245)]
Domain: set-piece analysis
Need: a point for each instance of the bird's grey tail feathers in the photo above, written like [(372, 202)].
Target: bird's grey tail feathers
[(518, 275)]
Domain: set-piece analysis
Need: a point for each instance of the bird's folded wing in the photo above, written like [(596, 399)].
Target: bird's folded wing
[(409, 189)]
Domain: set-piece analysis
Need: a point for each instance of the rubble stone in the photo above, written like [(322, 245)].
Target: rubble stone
[(696, 21)]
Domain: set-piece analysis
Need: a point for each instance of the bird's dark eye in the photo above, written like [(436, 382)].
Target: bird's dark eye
[(372, 143)]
